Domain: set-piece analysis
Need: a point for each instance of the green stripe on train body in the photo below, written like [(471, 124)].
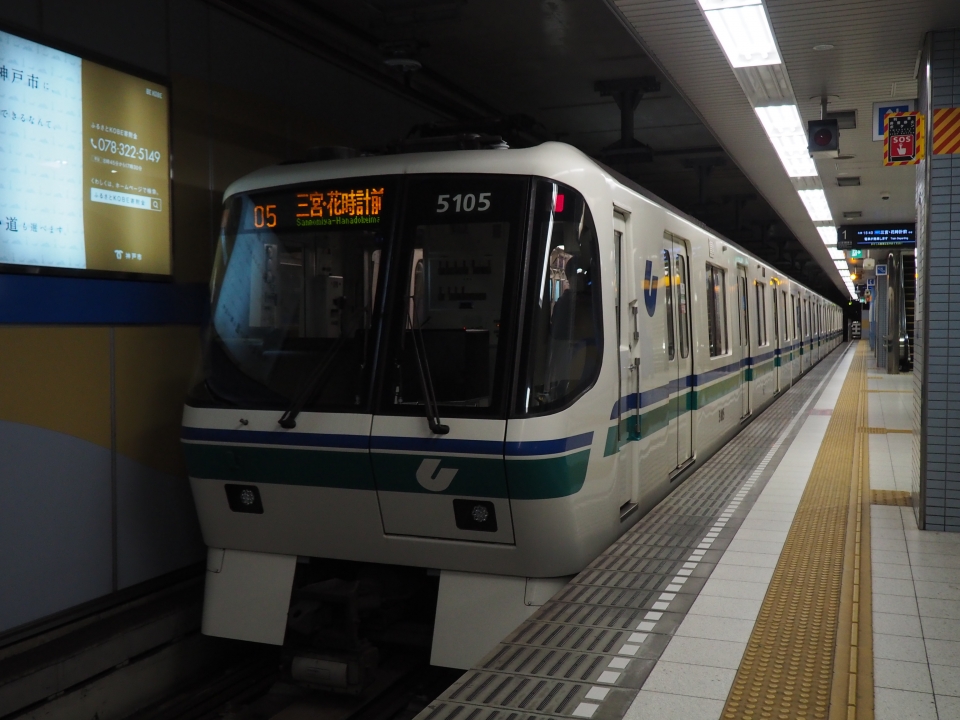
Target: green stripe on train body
[(656, 418), (282, 465), (533, 478)]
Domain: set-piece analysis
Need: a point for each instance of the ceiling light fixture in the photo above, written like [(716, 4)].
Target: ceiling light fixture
[(836, 254), (816, 203), (822, 47), (828, 233), (785, 129), (743, 31)]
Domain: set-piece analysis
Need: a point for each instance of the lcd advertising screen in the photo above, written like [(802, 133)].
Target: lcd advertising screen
[(84, 164)]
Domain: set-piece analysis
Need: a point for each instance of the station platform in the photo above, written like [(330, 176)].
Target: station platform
[(785, 579)]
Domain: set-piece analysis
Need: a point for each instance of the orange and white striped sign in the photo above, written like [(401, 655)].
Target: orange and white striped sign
[(946, 131)]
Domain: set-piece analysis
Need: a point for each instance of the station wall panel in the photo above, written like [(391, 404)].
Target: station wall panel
[(55, 458), (157, 529)]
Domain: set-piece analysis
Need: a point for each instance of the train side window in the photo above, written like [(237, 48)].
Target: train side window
[(563, 338), (668, 294), (717, 311), (680, 278), (797, 320), (783, 313), (761, 314)]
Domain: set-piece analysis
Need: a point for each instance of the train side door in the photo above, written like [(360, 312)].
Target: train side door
[(679, 289), (629, 367), (744, 308), (776, 338)]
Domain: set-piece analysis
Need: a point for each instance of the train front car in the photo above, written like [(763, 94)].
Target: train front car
[(404, 368)]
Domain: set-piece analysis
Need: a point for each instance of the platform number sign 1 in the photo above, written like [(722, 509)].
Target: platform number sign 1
[(902, 138)]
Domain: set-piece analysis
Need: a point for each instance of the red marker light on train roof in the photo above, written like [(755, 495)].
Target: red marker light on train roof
[(558, 204)]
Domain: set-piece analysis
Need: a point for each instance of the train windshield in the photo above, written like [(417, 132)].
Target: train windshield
[(322, 292), (456, 297), (294, 288)]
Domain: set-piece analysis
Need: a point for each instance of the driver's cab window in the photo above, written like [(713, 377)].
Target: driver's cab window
[(458, 267)]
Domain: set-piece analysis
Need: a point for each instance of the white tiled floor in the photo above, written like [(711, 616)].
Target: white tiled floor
[(692, 679), (916, 618), (916, 580)]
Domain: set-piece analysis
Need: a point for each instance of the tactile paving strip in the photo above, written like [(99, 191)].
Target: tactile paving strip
[(891, 497), (787, 668), (587, 651)]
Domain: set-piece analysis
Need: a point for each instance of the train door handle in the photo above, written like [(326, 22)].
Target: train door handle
[(635, 311)]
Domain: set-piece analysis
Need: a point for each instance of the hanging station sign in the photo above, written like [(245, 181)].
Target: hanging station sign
[(864, 237)]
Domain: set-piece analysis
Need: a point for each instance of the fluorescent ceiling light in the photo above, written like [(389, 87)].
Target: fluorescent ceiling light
[(841, 264), (816, 203), (828, 233), (743, 31), (784, 127), (836, 254)]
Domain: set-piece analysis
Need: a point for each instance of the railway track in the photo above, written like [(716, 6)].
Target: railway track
[(255, 688)]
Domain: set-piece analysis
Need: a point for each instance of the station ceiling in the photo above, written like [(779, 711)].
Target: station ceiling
[(468, 60)]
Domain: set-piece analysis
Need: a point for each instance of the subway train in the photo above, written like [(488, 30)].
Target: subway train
[(480, 367)]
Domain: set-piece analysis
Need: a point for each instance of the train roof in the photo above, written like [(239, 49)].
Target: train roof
[(554, 160)]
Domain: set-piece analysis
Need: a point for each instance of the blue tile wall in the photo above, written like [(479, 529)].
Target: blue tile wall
[(936, 369)]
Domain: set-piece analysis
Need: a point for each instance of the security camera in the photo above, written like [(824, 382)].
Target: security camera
[(884, 196)]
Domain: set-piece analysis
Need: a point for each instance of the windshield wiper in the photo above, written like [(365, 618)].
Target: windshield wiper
[(288, 420), (426, 381)]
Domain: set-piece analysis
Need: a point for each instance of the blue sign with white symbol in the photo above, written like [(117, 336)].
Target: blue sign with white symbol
[(872, 282), (882, 108), (881, 270)]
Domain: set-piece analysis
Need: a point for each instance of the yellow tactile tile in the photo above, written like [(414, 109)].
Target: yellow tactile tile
[(890, 497), (800, 649)]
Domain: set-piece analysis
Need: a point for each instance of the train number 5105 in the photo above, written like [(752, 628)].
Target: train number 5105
[(463, 202)]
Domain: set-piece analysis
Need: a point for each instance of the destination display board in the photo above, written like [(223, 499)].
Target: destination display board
[(865, 237), (84, 164), (351, 202)]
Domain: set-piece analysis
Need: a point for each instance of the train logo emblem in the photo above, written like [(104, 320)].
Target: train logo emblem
[(650, 289), (433, 480)]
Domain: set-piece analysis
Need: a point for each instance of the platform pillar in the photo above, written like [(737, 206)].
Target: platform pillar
[(936, 452)]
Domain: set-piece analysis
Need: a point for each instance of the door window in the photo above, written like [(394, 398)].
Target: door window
[(680, 279), (716, 311), (668, 296)]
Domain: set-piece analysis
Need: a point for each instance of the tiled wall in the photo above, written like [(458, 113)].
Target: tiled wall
[(937, 352), (919, 307)]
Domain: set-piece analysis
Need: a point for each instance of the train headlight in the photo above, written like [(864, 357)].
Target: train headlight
[(244, 498), (475, 515)]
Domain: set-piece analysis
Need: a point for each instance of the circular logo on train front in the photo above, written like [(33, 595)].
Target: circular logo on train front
[(433, 479)]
